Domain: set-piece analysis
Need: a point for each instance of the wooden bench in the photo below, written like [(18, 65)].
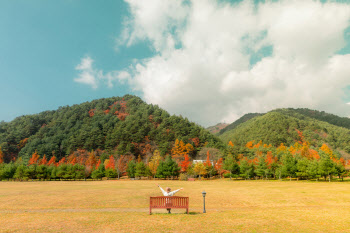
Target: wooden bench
[(173, 202), (191, 179)]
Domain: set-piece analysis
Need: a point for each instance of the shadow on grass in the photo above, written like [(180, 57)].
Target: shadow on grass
[(189, 213)]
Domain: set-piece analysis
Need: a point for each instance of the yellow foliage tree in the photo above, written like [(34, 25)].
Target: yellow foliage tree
[(154, 162), (180, 149), (200, 169), (281, 148), (328, 151)]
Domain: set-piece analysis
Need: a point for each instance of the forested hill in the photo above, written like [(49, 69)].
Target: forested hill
[(117, 125), (241, 120), (320, 115), (282, 126)]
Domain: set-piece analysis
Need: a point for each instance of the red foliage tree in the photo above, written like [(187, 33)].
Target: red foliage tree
[(185, 164), (122, 163), (195, 141), (43, 161), (62, 161), (98, 164), (91, 160), (207, 163), (34, 159), (52, 161), (301, 136), (1, 156), (111, 163), (92, 112), (218, 166)]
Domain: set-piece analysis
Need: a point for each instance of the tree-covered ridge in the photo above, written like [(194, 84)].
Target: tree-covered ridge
[(241, 120), (320, 115), (282, 126), (119, 124)]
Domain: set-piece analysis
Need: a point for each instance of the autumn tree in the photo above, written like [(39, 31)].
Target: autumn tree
[(185, 163), (52, 161), (98, 164), (154, 163), (61, 162), (1, 156), (111, 163), (200, 169), (34, 159), (91, 160), (43, 161), (180, 149), (218, 166)]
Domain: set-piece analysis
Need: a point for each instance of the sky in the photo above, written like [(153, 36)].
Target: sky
[(210, 61)]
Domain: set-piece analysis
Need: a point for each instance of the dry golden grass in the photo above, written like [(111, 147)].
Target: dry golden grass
[(122, 206)]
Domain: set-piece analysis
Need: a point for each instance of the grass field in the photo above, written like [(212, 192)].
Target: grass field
[(122, 206)]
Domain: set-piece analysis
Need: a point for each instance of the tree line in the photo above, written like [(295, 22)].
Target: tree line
[(260, 161)]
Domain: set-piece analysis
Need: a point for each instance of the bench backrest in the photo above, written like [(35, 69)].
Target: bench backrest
[(174, 201)]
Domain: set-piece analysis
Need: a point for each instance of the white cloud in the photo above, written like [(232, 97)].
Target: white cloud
[(202, 67), (94, 77), (87, 74)]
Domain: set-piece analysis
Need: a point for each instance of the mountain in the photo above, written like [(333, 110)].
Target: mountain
[(241, 120), (322, 116), (118, 124), (282, 126), (217, 128)]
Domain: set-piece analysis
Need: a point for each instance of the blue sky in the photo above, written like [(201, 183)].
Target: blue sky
[(42, 41), (241, 61)]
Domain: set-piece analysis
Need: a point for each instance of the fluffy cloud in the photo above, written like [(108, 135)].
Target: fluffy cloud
[(203, 69), (94, 77), (87, 75)]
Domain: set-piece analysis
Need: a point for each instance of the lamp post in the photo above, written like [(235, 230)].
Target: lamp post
[(204, 193)]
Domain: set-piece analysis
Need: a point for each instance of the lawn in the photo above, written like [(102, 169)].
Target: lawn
[(122, 206)]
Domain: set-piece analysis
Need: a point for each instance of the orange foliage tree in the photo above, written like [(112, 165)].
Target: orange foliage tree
[(111, 163), (207, 163), (218, 166), (52, 161), (328, 151), (249, 145), (98, 164), (122, 164), (185, 163), (43, 161), (34, 159), (180, 149), (62, 161), (91, 160)]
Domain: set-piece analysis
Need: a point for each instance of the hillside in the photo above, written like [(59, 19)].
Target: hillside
[(118, 124), (282, 125), (217, 128), (241, 120), (320, 115)]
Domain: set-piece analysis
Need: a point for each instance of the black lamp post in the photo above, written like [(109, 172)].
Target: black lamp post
[(204, 193)]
